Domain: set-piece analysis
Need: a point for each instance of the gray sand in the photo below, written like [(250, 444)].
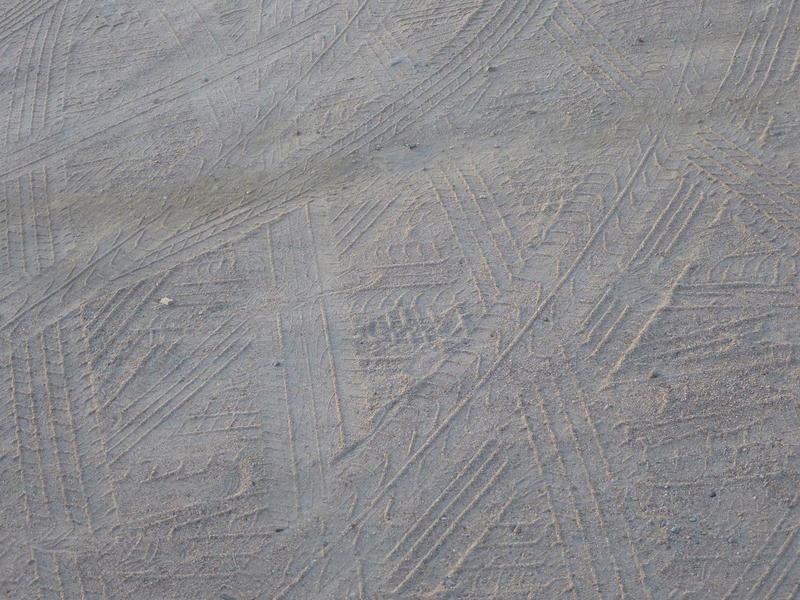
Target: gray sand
[(360, 299)]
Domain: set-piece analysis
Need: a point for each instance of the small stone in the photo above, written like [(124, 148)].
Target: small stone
[(713, 495), (205, 79), (412, 146), (277, 363), (675, 528), (692, 519), (166, 301)]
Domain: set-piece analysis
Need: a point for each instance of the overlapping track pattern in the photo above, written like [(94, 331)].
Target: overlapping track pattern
[(468, 299)]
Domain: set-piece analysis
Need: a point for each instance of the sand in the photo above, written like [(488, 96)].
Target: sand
[(359, 299)]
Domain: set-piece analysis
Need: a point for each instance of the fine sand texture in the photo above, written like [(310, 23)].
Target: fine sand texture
[(371, 299)]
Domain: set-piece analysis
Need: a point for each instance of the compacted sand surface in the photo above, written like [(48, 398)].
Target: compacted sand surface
[(365, 299)]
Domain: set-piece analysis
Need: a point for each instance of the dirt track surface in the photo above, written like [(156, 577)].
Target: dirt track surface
[(368, 299)]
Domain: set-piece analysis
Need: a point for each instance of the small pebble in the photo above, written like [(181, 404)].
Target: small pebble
[(675, 528), (166, 301), (713, 494), (205, 79)]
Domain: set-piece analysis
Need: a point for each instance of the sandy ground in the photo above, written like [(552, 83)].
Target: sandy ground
[(359, 299)]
